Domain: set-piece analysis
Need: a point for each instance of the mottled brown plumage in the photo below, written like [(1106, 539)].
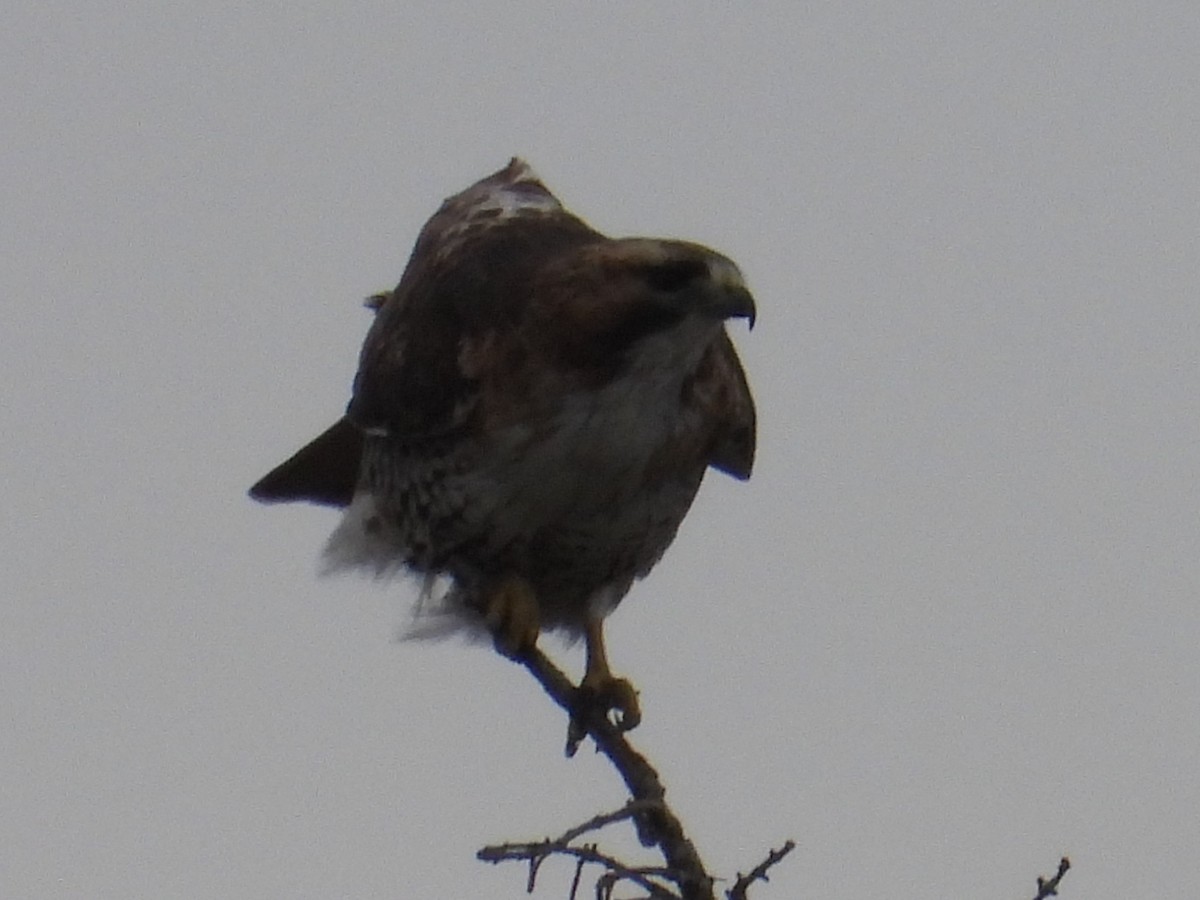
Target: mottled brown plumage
[(536, 405)]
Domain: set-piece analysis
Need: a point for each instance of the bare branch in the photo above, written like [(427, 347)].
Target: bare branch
[(656, 824), (630, 809), (615, 870), (759, 872), (683, 877), (1048, 887)]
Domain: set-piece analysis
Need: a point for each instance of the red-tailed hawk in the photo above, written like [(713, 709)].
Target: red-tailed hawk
[(535, 407)]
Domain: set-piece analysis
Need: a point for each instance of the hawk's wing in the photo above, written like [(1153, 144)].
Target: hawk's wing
[(466, 286)]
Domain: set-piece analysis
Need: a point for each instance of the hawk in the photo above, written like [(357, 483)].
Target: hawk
[(534, 409)]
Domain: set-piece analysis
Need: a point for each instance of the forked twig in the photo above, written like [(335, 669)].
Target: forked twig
[(1048, 887), (758, 873)]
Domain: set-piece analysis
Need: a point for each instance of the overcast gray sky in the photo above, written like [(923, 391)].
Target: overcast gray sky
[(947, 633)]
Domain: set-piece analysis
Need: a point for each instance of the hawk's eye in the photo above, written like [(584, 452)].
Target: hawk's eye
[(675, 275), (638, 321)]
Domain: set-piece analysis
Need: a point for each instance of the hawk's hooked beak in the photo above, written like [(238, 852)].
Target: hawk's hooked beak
[(735, 302)]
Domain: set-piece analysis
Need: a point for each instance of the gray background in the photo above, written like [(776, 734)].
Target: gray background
[(947, 633)]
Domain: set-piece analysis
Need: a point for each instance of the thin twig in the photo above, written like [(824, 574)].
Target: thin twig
[(1048, 887), (595, 823), (535, 853), (535, 863), (579, 864), (759, 872)]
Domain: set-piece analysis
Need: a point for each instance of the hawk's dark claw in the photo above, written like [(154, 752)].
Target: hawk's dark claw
[(619, 696), (616, 699)]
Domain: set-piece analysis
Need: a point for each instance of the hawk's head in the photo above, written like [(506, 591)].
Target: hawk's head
[(635, 301)]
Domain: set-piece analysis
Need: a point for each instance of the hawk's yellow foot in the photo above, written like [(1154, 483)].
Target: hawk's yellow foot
[(603, 689), (510, 610)]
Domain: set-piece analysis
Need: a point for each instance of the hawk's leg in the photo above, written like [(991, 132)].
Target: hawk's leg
[(510, 610), (600, 687)]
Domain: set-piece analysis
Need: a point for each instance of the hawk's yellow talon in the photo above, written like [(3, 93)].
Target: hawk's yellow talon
[(510, 611)]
